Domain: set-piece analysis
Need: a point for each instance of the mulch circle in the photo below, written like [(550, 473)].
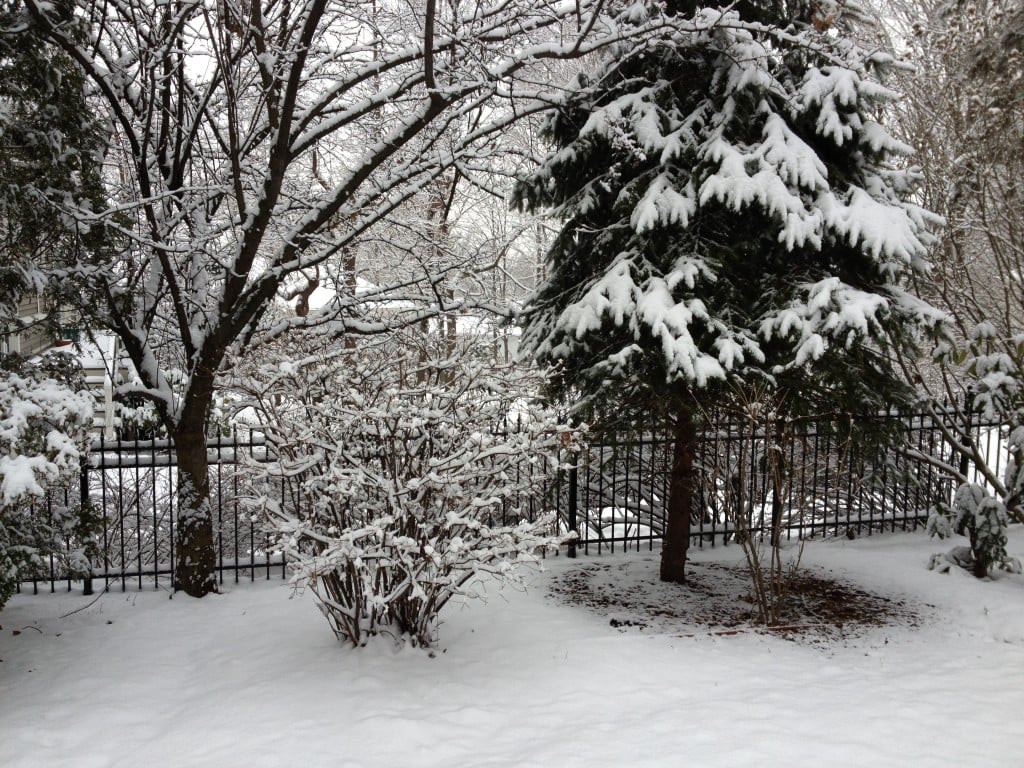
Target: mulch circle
[(717, 599)]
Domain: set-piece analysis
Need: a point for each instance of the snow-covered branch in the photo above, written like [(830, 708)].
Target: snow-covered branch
[(411, 470)]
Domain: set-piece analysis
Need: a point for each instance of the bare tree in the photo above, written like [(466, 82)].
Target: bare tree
[(964, 110), (223, 112)]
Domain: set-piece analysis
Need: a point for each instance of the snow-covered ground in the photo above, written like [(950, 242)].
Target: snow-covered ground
[(253, 678)]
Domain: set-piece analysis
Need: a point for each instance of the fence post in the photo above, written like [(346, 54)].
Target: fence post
[(573, 487), (968, 426), (83, 498)]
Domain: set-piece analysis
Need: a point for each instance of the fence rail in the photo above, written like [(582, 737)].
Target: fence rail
[(132, 487), (614, 495), (617, 495)]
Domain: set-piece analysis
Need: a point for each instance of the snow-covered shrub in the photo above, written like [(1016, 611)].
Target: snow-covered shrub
[(44, 419), (395, 478), (994, 364), (982, 517), (999, 371)]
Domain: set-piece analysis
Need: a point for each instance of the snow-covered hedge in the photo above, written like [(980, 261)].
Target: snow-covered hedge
[(405, 477), (44, 419)]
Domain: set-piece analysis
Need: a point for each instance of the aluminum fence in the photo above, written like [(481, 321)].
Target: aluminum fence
[(613, 495), (823, 483), (131, 486)]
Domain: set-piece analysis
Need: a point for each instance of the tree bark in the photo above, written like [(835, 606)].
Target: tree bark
[(195, 569), (196, 563), (676, 539)]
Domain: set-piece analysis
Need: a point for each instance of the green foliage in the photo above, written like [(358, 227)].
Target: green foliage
[(731, 212), (51, 144)]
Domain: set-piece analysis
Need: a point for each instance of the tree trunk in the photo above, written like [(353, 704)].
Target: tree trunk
[(676, 540), (194, 572)]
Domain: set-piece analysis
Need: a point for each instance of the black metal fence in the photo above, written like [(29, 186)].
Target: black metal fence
[(614, 495), (131, 487), (805, 480)]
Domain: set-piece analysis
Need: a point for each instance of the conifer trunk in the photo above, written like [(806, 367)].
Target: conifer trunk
[(676, 538)]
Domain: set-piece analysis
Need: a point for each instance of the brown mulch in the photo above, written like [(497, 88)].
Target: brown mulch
[(717, 599)]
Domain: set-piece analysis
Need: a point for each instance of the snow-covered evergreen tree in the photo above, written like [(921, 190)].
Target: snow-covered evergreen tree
[(50, 153), (732, 208)]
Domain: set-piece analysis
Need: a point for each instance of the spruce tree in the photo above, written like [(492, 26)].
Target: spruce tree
[(51, 155), (732, 211)]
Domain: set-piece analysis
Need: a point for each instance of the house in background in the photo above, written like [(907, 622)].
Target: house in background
[(100, 358), (33, 336)]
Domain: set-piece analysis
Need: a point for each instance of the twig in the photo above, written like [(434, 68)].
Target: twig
[(77, 610)]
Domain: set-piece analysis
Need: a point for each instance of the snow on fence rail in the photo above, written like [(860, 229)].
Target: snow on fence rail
[(613, 495)]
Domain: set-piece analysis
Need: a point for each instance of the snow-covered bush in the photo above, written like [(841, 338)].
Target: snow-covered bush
[(998, 370), (982, 517), (44, 419), (982, 510), (395, 478)]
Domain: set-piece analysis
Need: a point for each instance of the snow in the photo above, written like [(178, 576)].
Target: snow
[(23, 476), (662, 205), (33, 449), (878, 228), (831, 309), (253, 678)]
